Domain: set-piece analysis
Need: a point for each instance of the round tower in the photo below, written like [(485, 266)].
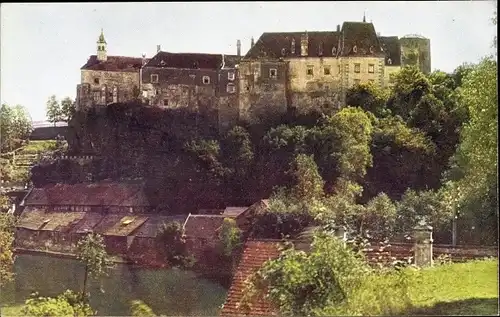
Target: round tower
[(101, 48), (416, 50)]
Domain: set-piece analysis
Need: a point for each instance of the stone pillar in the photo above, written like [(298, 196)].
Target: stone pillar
[(423, 245)]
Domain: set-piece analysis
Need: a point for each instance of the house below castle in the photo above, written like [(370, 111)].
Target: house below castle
[(299, 71)]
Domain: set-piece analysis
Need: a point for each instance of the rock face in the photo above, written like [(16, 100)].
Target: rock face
[(128, 141)]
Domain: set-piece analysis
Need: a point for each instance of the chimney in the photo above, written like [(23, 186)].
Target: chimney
[(338, 27), (251, 42), (238, 48), (304, 44), (158, 48)]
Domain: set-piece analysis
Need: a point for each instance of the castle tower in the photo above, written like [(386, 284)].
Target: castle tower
[(101, 48)]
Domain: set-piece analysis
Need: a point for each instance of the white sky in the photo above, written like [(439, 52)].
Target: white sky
[(43, 45)]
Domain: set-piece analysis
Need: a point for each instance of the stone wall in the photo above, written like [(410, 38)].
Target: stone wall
[(263, 90), (416, 51)]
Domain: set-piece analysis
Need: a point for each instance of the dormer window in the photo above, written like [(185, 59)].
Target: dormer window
[(162, 63), (206, 80), (389, 61), (154, 78), (293, 46), (283, 51), (273, 73), (371, 49), (355, 49), (230, 76), (320, 49), (195, 65), (334, 51)]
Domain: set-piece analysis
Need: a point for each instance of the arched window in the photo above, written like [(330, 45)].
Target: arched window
[(355, 49), (292, 48), (103, 95), (371, 49), (334, 51), (389, 61)]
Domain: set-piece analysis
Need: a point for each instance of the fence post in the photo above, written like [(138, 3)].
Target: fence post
[(423, 245)]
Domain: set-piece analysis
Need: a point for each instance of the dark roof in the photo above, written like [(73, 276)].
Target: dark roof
[(234, 211), (154, 223), (203, 226), (38, 219), (87, 224), (273, 45), (363, 36), (191, 60), (120, 225), (89, 194), (114, 63), (255, 254), (392, 49)]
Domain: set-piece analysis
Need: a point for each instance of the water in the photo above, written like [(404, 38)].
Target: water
[(170, 292)]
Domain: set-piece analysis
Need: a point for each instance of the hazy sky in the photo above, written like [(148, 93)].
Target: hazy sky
[(43, 45)]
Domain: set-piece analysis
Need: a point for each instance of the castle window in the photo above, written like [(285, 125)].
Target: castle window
[(103, 95), (320, 49), (371, 49), (96, 81), (165, 102), (230, 76), (154, 78), (339, 69), (326, 70), (231, 88), (389, 61), (357, 68), (293, 46), (162, 63), (310, 70), (334, 51), (115, 94), (273, 73), (206, 80), (371, 68), (283, 52), (355, 49)]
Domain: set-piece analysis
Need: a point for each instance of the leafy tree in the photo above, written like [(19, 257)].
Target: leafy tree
[(307, 184), (92, 253), (229, 236), (54, 110), (68, 109), (369, 97), (66, 304), (238, 149), (300, 283), (15, 126), (6, 240), (379, 217), (173, 242), (139, 309)]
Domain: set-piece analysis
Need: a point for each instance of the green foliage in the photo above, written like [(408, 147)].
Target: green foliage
[(68, 109), (300, 283), (307, 184), (6, 241), (238, 148), (394, 130), (415, 206), (206, 152), (15, 126), (54, 111), (369, 97), (288, 139), (66, 304), (139, 309), (173, 242), (92, 253), (229, 236), (379, 216)]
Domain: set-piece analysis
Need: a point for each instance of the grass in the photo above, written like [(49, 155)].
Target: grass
[(469, 288), (36, 147), (14, 310)]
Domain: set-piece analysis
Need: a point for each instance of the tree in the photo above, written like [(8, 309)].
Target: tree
[(300, 283), (369, 97), (6, 240), (54, 110), (173, 242), (67, 109), (92, 253), (307, 184), (139, 309), (229, 236), (66, 304), (15, 126)]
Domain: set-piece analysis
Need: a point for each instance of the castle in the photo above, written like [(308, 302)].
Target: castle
[(299, 71)]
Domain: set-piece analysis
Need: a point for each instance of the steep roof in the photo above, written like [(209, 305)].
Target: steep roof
[(363, 36), (89, 194), (234, 211), (191, 60), (255, 254), (279, 44), (392, 49), (114, 63)]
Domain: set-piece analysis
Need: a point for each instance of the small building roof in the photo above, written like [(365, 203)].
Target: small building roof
[(89, 194), (40, 219), (191, 60), (234, 211), (152, 226), (203, 226), (119, 225), (392, 50), (255, 254)]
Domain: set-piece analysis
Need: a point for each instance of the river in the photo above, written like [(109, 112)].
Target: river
[(171, 292)]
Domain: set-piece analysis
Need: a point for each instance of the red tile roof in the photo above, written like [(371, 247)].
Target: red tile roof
[(255, 254), (84, 194), (114, 63)]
